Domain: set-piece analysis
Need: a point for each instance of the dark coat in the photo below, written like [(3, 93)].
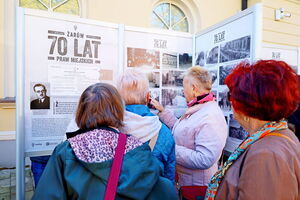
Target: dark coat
[(35, 104), (68, 177)]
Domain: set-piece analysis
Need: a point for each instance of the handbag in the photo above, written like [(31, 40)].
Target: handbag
[(193, 192), (190, 192), (115, 170)]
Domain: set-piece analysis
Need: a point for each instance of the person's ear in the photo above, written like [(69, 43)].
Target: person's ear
[(194, 89), (148, 97)]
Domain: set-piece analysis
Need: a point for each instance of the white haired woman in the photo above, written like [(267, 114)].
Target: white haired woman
[(200, 134), (141, 123)]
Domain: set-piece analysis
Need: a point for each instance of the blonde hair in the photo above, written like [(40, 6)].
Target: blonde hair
[(133, 86), (200, 77)]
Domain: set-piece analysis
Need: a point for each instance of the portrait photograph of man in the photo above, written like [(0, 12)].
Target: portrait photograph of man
[(42, 101)]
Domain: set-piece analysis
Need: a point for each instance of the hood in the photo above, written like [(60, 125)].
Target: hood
[(140, 122), (95, 150)]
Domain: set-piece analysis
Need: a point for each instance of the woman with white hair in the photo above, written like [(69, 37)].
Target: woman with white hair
[(141, 123), (200, 134)]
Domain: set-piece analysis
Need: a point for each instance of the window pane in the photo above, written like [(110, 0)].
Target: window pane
[(182, 26), (156, 22), (56, 2), (32, 4), (163, 10), (70, 7), (172, 15), (64, 6), (45, 2), (176, 14)]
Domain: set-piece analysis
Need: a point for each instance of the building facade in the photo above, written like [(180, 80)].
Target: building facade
[(188, 16)]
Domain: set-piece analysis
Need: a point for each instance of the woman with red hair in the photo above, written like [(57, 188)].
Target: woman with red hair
[(267, 163)]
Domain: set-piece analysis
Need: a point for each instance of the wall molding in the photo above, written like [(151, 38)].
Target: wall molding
[(7, 135)]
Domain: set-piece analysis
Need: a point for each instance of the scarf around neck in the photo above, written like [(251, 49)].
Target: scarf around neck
[(202, 99), (219, 175)]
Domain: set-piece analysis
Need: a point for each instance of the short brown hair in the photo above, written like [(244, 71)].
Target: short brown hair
[(100, 105)]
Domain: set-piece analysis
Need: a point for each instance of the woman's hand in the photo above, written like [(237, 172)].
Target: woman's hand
[(157, 105)]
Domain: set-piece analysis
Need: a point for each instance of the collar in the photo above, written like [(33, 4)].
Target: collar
[(139, 109), (202, 99), (80, 131)]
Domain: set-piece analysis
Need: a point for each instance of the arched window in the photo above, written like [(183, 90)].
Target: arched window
[(169, 16), (62, 6)]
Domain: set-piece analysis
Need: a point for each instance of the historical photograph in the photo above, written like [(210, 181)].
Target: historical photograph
[(212, 56), (172, 78), (185, 60), (223, 73), (143, 58), (169, 60), (214, 77), (215, 93), (236, 130), (223, 100), (38, 96), (155, 94), (173, 99), (154, 79), (200, 59), (295, 68), (235, 49), (226, 119)]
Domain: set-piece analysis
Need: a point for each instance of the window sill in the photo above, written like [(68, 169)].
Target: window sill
[(7, 135), (8, 103)]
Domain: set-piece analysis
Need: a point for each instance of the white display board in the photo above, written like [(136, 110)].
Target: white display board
[(222, 46), (63, 56), (282, 52), (163, 57)]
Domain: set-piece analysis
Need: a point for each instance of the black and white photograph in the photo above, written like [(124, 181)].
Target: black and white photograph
[(215, 93), (185, 60), (143, 58), (214, 77), (154, 79), (212, 56), (223, 100), (39, 96), (295, 68), (173, 99), (200, 58), (172, 78), (155, 94), (235, 49), (226, 119), (169, 60), (236, 130), (223, 73)]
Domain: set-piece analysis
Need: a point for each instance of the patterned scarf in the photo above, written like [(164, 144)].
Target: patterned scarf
[(202, 99), (217, 178)]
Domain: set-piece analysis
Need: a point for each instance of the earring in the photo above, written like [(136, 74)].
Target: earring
[(246, 119)]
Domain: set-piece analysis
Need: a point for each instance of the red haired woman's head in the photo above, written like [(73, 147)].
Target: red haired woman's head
[(267, 90)]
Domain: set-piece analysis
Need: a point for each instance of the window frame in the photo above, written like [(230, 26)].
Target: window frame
[(176, 5)]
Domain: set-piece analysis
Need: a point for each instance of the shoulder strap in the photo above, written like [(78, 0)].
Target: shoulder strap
[(153, 141), (115, 170)]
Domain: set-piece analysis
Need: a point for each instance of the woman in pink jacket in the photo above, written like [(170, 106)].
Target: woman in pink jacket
[(200, 134)]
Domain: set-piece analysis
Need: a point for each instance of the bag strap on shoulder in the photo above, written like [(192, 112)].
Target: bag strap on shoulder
[(115, 170)]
